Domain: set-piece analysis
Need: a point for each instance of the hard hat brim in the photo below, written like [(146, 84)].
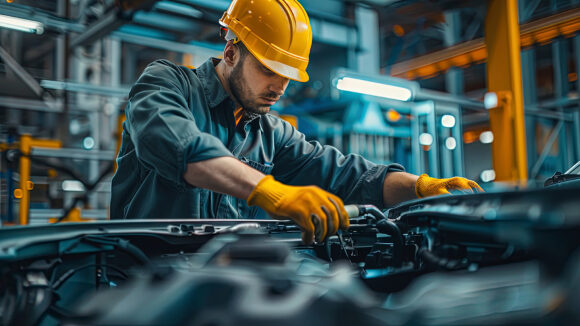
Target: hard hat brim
[(284, 70)]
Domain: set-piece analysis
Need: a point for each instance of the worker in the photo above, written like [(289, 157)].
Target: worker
[(200, 143)]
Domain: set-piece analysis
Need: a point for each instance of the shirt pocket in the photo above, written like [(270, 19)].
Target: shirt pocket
[(265, 168), (243, 210)]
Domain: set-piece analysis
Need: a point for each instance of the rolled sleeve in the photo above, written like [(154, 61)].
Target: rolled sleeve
[(162, 125), (351, 177)]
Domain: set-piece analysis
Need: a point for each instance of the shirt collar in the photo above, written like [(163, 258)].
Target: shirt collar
[(215, 92), (212, 87)]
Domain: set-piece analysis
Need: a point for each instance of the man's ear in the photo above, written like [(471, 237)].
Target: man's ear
[(231, 54)]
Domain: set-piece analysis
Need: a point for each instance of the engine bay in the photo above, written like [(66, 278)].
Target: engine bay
[(489, 258)]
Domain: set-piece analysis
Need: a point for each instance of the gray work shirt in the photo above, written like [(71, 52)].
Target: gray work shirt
[(177, 115)]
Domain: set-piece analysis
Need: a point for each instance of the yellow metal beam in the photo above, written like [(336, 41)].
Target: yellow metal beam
[(75, 215), (504, 77), (26, 144), (24, 170), (541, 31)]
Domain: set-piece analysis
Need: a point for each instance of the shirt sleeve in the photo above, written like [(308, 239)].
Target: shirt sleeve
[(351, 177), (161, 124)]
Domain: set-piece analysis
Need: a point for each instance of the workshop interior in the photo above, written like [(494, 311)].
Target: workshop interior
[(482, 89)]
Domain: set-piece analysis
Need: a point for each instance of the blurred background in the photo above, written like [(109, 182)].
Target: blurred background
[(445, 87)]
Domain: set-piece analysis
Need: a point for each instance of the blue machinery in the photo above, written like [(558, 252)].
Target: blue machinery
[(360, 124)]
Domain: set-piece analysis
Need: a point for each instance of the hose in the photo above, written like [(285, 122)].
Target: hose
[(384, 226)]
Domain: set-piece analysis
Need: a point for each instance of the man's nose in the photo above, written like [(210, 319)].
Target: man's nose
[(279, 85)]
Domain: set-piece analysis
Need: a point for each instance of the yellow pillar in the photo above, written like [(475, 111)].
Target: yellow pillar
[(26, 144), (24, 170), (504, 77)]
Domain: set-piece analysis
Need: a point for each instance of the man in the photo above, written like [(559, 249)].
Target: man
[(201, 144)]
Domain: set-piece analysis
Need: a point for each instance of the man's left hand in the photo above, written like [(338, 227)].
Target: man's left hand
[(427, 186)]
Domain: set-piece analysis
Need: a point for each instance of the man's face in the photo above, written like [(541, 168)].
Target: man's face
[(255, 87)]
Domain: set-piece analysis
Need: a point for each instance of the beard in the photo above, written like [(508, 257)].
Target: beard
[(243, 95)]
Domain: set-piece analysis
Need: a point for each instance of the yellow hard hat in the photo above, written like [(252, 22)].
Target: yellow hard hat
[(276, 32)]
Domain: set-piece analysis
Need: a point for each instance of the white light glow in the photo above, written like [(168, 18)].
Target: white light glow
[(72, 185), (487, 175), (108, 109), (486, 137), (373, 88), (425, 139), (448, 121), (450, 143), (490, 100), (74, 127), (23, 25), (88, 143)]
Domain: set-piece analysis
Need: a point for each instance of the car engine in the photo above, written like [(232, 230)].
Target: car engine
[(501, 258)]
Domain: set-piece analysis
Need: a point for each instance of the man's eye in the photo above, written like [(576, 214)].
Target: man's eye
[(267, 71)]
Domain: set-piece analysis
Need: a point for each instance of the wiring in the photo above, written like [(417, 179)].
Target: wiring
[(68, 274), (123, 245)]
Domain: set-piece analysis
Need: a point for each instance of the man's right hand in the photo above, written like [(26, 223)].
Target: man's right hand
[(318, 213)]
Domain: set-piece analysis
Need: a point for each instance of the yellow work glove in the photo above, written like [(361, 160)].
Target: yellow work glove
[(427, 186), (316, 211)]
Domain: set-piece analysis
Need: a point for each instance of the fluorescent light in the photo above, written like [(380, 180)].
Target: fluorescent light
[(450, 143), (23, 25), (72, 185), (74, 127), (487, 175), (490, 100), (448, 121), (425, 139), (486, 137), (373, 88), (88, 143)]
